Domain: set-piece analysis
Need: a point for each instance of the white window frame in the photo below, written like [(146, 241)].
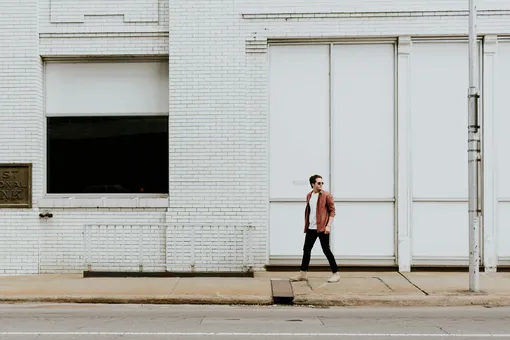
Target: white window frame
[(95, 200)]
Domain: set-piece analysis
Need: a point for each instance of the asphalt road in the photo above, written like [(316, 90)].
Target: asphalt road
[(153, 322)]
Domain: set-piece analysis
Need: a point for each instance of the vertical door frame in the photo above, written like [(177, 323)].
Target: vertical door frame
[(489, 153), (404, 171)]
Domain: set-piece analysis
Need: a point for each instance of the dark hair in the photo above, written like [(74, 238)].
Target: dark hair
[(313, 179)]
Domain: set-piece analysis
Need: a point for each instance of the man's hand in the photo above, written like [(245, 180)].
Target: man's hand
[(328, 229)]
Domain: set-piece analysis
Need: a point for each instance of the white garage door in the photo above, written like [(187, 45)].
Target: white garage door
[(341, 127), (439, 153)]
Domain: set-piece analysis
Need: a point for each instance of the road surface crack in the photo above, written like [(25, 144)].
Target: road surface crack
[(442, 330)]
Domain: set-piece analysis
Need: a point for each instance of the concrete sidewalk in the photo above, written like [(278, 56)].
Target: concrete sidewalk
[(354, 289)]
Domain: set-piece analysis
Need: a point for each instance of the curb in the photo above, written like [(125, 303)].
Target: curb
[(169, 300), (403, 301), (303, 300)]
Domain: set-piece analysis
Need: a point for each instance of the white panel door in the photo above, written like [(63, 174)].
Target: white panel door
[(106, 88), (299, 139), (439, 150), (299, 118), (502, 145), (364, 230), (439, 120), (363, 148), (503, 232), (438, 230), (287, 235), (363, 121)]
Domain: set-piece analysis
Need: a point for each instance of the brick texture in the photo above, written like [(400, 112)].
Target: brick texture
[(63, 11), (103, 16), (307, 6), (21, 135), (218, 102), (103, 27), (62, 243), (54, 45), (159, 247)]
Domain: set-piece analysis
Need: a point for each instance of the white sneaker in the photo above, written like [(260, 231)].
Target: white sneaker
[(300, 277), (334, 278)]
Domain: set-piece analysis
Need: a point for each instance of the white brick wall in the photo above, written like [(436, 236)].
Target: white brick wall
[(125, 247), (139, 44), (63, 11), (103, 16), (21, 136), (103, 27), (218, 98), (61, 237), (310, 6), (19, 243), (211, 179), (162, 246)]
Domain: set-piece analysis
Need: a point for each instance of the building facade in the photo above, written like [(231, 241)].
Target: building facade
[(213, 114)]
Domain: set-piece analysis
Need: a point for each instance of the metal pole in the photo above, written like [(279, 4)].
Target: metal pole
[(473, 155)]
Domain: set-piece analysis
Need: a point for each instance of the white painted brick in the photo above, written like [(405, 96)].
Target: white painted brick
[(21, 138), (218, 103), (100, 16), (62, 236), (63, 11)]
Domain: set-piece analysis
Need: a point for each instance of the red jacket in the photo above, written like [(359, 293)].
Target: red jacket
[(325, 210)]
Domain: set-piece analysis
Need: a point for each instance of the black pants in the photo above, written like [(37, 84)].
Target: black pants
[(311, 237)]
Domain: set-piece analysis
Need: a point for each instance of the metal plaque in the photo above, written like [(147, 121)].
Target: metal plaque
[(15, 185)]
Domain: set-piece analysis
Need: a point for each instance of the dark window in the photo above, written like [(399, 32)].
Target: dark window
[(107, 155)]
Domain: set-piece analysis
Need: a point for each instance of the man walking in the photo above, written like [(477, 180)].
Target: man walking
[(319, 215)]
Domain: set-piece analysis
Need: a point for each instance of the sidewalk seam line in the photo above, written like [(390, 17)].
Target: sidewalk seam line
[(384, 282), (407, 279), (173, 289)]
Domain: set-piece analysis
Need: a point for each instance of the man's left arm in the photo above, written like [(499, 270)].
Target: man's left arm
[(330, 203)]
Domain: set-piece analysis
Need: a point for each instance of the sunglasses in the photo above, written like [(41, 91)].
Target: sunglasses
[(319, 183)]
